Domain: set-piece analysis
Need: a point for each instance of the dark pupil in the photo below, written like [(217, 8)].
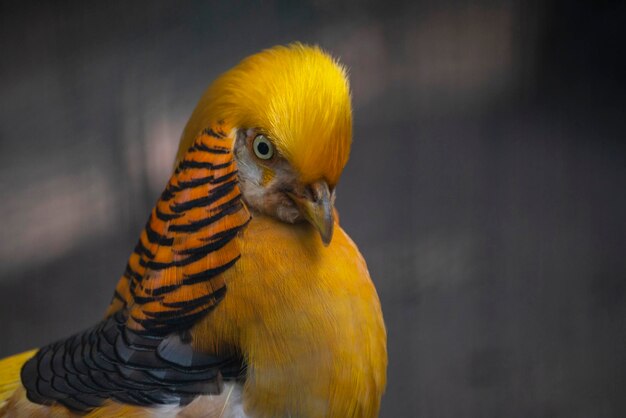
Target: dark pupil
[(263, 148)]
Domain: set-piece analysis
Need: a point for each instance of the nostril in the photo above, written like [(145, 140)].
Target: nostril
[(319, 191), (313, 193)]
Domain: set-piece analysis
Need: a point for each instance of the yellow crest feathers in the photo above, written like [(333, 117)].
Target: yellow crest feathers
[(298, 95)]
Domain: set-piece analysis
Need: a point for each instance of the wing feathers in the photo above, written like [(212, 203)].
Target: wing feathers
[(110, 361)]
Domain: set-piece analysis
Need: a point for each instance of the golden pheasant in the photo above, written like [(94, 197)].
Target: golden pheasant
[(243, 296)]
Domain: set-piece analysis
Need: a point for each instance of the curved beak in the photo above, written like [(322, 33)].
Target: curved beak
[(317, 209)]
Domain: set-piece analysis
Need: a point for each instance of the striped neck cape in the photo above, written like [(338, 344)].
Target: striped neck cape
[(141, 352)]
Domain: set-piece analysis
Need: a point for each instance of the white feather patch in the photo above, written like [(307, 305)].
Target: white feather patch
[(227, 404)]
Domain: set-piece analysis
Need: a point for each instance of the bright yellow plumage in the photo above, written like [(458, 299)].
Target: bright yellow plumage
[(301, 312), (309, 318), (10, 374)]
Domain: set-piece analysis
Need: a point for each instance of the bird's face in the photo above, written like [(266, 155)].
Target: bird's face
[(271, 186), (291, 113)]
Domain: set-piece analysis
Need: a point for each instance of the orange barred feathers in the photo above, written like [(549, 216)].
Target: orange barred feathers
[(173, 277)]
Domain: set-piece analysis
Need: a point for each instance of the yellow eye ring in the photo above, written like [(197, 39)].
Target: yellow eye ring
[(262, 147)]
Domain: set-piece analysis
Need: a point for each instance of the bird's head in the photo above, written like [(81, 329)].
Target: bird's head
[(291, 113)]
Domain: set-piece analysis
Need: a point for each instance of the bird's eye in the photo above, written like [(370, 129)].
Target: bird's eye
[(263, 148)]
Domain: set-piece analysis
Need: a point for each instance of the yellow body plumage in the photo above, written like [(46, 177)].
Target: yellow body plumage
[(311, 324)]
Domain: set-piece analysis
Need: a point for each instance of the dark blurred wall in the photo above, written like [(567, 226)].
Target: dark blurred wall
[(486, 187)]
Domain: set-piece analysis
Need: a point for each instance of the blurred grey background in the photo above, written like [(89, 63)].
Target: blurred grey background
[(486, 187)]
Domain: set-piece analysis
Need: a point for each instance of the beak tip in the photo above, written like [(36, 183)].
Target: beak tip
[(326, 228), (326, 239)]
